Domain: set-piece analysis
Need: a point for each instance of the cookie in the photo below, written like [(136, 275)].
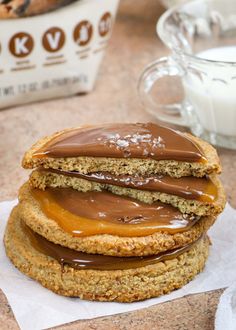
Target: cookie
[(125, 149), (209, 200), (31, 213), (124, 285)]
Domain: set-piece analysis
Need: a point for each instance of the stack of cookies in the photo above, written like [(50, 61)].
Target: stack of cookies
[(116, 212)]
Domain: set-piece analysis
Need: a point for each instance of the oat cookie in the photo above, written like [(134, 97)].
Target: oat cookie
[(32, 215), (114, 285)]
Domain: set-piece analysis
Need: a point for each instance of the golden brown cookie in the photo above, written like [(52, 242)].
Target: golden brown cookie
[(126, 165), (43, 179), (31, 213), (103, 285)]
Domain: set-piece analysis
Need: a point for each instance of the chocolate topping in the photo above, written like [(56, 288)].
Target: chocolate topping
[(202, 189), (80, 260), (123, 141), (91, 213)]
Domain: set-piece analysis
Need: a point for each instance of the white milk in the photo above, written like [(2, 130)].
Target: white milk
[(214, 97)]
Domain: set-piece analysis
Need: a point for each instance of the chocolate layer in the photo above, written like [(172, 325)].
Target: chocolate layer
[(80, 260), (91, 213), (192, 188), (123, 140)]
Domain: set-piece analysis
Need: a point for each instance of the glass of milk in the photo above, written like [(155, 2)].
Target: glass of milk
[(202, 37)]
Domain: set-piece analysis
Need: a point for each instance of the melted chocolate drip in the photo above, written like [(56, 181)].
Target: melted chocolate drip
[(81, 260), (191, 188), (91, 213)]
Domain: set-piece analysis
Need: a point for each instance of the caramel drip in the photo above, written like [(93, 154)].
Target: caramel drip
[(192, 188), (81, 260), (92, 213), (123, 140)]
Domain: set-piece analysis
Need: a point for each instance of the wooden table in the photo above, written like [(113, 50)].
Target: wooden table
[(134, 44)]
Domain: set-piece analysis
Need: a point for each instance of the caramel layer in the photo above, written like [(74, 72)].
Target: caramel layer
[(81, 260), (202, 189), (92, 213), (123, 140)]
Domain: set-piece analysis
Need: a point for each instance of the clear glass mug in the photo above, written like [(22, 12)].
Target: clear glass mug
[(202, 37)]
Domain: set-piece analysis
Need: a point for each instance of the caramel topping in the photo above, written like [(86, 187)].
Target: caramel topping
[(81, 260), (92, 213), (123, 140), (202, 189)]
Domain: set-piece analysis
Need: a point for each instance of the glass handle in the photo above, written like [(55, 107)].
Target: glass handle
[(170, 113)]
